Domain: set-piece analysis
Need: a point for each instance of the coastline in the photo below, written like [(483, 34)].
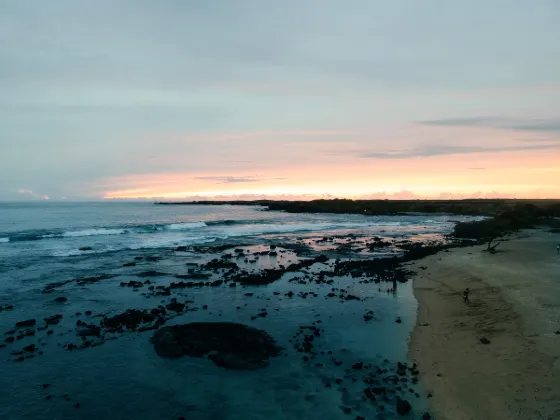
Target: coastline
[(514, 303), (94, 305)]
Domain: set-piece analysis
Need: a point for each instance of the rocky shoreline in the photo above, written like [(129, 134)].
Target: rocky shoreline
[(485, 207), (391, 386)]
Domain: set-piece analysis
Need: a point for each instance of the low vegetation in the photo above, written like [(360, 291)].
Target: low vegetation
[(521, 216), (485, 207)]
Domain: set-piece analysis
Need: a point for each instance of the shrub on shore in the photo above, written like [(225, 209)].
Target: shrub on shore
[(522, 216)]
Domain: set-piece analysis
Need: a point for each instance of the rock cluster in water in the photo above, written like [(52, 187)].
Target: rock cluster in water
[(232, 345), (229, 345)]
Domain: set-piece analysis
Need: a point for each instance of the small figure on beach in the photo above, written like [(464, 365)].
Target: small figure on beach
[(466, 295), (558, 248)]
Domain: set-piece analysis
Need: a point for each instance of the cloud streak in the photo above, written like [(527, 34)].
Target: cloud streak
[(551, 125), (228, 179), (439, 150)]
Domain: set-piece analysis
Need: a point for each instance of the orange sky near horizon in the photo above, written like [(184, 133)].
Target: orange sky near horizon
[(477, 162)]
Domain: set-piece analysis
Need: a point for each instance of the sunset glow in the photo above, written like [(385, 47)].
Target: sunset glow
[(278, 100), (476, 162)]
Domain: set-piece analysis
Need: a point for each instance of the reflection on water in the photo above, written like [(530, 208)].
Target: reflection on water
[(123, 378)]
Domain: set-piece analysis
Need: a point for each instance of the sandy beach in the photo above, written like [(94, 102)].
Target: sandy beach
[(515, 303)]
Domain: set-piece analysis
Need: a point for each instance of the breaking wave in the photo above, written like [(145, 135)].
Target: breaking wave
[(210, 229), (272, 228), (184, 226), (93, 232)]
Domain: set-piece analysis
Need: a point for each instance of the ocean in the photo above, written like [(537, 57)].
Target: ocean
[(84, 262)]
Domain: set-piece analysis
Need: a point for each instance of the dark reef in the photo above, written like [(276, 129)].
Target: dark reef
[(229, 345)]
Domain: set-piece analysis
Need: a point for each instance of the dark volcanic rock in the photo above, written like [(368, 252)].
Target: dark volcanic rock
[(227, 344), (217, 264), (61, 299), (51, 286), (133, 283), (358, 366), (307, 263), (93, 279), (86, 248), (368, 316), (6, 307), (193, 276), (369, 394), (484, 340), (88, 330), (175, 306), (381, 269), (255, 279), (130, 319), (403, 406), (30, 348), (52, 320), (151, 273), (26, 323)]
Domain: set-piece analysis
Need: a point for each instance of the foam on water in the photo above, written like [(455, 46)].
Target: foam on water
[(259, 229), (221, 228), (112, 228), (170, 241), (93, 232), (184, 226), (145, 242)]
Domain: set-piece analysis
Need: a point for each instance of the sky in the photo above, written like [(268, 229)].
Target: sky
[(279, 99)]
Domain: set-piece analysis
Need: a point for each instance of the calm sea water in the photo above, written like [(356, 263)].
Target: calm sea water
[(124, 379)]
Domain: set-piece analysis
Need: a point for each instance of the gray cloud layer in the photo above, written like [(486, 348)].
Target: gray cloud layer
[(109, 88)]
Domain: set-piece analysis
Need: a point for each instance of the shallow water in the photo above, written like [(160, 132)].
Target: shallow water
[(124, 378)]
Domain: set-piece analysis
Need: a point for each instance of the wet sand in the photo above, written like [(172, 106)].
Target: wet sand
[(515, 303)]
